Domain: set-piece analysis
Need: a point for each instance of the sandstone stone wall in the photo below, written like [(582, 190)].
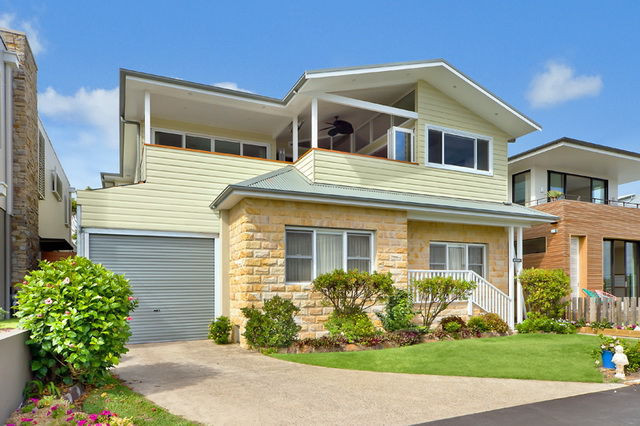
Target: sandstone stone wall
[(24, 222), (257, 252)]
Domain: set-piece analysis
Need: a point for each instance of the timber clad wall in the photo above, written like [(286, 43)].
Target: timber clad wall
[(595, 222), (495, 238), (180, 186), (25, 241)]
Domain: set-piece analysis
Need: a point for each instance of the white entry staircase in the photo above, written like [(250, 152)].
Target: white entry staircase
[(486, 296)]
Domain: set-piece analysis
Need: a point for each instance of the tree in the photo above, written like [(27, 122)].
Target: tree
[(437, 293)]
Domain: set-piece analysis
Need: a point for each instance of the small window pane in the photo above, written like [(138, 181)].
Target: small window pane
[(359, 264), (358, 245), (435, 146), (227, 147), (258, 151), (534, 245), (556, 182), (168, 139), (598, 191), (197, 142), (578, 188), (298, 270), (458, 151), (328, 252), (299, 243), (476, 255), (483, 154), (437, 256), (403, 145), (521, 188)]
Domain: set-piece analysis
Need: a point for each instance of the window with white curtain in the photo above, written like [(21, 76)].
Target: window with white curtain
[(458, 257), (311, 252)]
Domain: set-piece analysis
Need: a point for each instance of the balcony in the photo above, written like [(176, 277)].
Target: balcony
[(609, 202)]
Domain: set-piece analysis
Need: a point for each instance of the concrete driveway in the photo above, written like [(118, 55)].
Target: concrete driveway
[(228, 385)]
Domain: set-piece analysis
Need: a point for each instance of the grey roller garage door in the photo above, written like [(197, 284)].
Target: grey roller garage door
[(172, 277)]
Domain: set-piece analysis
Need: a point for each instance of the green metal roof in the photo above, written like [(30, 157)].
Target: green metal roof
[(288, 180)]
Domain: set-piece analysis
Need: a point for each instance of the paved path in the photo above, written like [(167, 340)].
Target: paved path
[(611, 408), (228, 385)]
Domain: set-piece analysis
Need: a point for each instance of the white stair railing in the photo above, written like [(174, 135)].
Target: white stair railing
[(486, 296)]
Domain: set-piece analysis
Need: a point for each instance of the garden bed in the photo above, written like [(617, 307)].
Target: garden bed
[(384, 341), (610, 332)]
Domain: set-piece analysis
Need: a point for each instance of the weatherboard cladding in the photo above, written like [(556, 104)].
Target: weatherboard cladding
[(289, 180)]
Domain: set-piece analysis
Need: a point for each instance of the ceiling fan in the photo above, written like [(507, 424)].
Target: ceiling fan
[(338, 127)]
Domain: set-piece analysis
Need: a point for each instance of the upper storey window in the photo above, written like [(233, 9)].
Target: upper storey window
[(210, 143), (452, 149)]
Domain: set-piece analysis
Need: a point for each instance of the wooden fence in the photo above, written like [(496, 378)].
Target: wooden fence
[(620, 311)]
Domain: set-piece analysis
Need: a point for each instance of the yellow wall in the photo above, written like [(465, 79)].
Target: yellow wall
[(180, 186)]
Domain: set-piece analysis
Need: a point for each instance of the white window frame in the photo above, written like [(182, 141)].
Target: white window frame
[(213, 140), (391, 138), (455, 132), (466, 254), (345, 257)]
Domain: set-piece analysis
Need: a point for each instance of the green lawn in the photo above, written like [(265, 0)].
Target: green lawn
[(10, 323), (525, 356), (120, 399)]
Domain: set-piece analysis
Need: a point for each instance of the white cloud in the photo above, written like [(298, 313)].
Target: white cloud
[(84, 130), (558, 83), (231, 85), (8, 20)]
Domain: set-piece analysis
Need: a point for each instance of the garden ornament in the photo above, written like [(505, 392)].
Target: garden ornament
[(620, 360)]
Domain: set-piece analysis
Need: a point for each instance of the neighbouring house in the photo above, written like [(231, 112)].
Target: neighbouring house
[(34, 191), (227, 198), (596, 239)]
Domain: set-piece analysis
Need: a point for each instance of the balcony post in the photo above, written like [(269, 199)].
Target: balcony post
[(147, 117), (518, 270), (294, 132), (314, 122), (512, 296)]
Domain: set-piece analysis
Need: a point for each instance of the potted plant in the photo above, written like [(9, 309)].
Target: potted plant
[(607, 350), (554, 195)]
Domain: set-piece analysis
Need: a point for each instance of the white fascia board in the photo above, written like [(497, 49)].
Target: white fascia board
[(370, 106), (442, 214), (575, 146), (144, 232)]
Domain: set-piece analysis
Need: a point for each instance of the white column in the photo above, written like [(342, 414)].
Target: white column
[(314, 122), (147, 117), (518, 269), (294, 133), (512, 292)]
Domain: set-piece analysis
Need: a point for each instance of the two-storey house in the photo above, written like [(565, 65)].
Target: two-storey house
[(226, 198), (596, 239), (35, 196)]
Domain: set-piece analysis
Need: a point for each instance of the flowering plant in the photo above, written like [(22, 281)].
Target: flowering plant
[(51, 411), (77, 313)]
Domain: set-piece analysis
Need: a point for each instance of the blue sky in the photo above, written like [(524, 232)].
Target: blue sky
[(570, 65)]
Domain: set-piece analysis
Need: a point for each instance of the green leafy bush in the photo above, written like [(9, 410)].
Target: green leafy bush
[(536, 323), (351, 292), (495, 323), (274, 327), (452, 327), (478, 325), (544, 291), (437, 293), (352, 327), (602, 324), (398, 313), (77, 313), (219, 330)]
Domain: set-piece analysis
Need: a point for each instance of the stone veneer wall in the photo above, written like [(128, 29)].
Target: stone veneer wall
[(496, 239), (257, 252), (24, 222)]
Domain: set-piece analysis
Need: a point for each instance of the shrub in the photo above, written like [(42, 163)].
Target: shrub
[(354, 291), (272, 328), (539, 323), (437, 293), (352, 327), (478, 325), (602, 324), (77, 313), (544, 290), (495, 323), (219, 330), (398, 313), (452, 327)]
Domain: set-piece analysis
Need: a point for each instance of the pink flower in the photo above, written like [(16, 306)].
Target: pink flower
[(67, 313), (39, 315), (93, 417), (129, 318), (82, 422), (131, 298), (66, 280), (48, 301)]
